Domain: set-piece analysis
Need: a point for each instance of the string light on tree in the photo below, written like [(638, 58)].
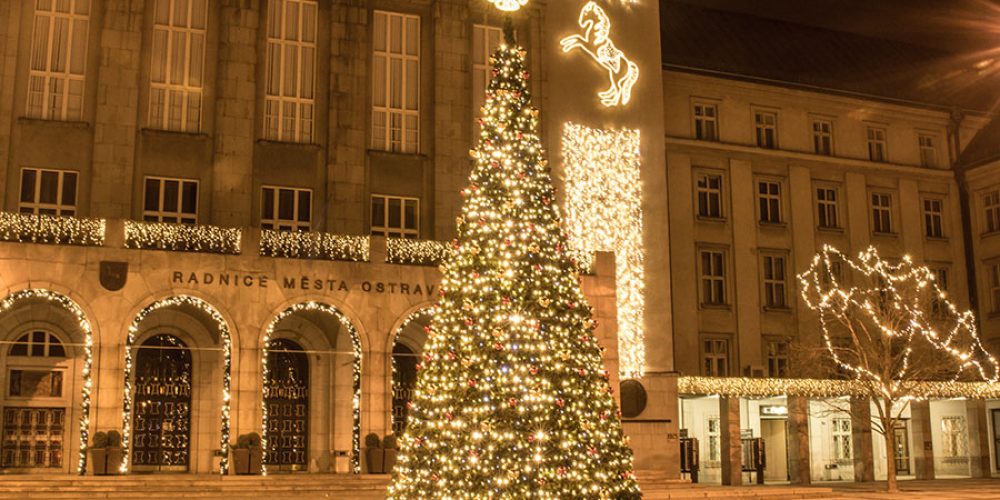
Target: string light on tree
[(512, 399)]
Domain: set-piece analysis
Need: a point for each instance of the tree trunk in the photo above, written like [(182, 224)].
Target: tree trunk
[(890, 457)]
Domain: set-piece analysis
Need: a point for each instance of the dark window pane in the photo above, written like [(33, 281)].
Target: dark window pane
[(55, 389), (152, 195), (286, 204), (189, 198), (15, 382), (305, 206), (267, 204), (171, 192), (69, 188), (411, 214), (395, 212), (28, 186), (378, 211), (49, 187)]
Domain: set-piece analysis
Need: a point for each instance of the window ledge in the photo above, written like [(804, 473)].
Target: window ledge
[(824, 229), (942, 239), (79, 124), (989, 234), (778, 309), (716, 307), (289, 144), (772, 225), (884, 235), (397, 154), (711, 220), (174, 133)]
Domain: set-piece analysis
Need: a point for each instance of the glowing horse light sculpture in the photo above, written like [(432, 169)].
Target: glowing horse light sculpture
[(597, 43)]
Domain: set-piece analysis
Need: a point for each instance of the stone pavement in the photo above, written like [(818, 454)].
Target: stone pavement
[(939, 489)]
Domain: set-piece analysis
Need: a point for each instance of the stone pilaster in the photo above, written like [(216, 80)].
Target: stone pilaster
[(115, 118), (923, 449), (732, 453), (10, 13), (232, 163), (861, 440), (979, 439), (348, 142), (452, 111), (799, 463)]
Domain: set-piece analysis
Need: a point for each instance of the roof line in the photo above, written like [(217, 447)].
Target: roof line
[(818, 88)]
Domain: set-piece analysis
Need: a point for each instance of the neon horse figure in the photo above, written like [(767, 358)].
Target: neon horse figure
[(596, 41)]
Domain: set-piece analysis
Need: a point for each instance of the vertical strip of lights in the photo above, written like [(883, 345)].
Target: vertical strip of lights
[(604, 213)]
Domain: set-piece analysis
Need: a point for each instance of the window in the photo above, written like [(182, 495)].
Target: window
[(954, 437), (35, 384), (882, 213), (995, 286), (706, 121), (713, 277), (991, 204), (38, 344), (827, 207), (715, 357), (170, 200), (938, 307), (933, 218), (928, 150), (777, 358), (32, 437), (176, 77), (49, 192), (285, 209), (395, 217), (842, 439), (766, 124), (774, 281), (710, 196), (822, 132), (712, 431), (769, 201), (876, 144), (291, 70), (396, 80), (485, 40), (58, 59)]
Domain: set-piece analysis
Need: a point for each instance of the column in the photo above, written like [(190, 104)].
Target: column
[(732, 453), (861, 440), (799, 464), (745, 295), (923, 450), (979, 439)]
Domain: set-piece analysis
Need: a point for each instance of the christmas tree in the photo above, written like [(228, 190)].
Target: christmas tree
[(512, 399)]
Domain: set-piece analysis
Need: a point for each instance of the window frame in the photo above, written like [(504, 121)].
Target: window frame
[(276, 222), (708, 192), (942, 277), (698, 120), (825, 206), (877, 144), (819, 135), (925, 149), (761, 128), (303, 130), (842, 439), (46, 110), (930, 215), (389, 232), (405, 144), (170, 89), (994, 286), (888, 210), (777, 200), (990, 200), (160, 214), (36, 206), (717, 359), (778, 360), (713, 279), (482, 33), (774, 290)]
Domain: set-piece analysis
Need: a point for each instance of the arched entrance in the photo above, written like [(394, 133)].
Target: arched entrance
[(408, 343), (327, 386), (162, 416), (286, 396)]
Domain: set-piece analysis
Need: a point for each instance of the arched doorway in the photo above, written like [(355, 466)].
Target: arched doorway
[(162, 416), (408, 343), (286, 396)]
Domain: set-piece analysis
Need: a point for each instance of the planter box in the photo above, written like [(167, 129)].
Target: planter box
[(247, 461), (389, 460), (98, 461), (374, 461), (115, 460)]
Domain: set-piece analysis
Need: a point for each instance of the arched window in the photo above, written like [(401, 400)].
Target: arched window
[(38, 344)]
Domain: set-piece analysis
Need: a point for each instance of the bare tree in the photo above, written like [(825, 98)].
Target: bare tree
[(889, 328)]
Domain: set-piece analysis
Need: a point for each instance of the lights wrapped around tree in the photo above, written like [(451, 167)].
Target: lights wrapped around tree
[(356, 375), (312, 245), (512, 400), (182, 237), (227, 355), (30, 228), (604, 213), (416, 252), (14, 300)]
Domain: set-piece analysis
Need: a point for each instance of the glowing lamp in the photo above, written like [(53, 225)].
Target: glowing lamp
[(509, 5)]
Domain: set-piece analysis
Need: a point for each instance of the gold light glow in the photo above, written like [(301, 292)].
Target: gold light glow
[(596, 42)]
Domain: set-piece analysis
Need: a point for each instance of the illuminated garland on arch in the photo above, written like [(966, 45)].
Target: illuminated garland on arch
[(227, 353), (604, 213), (427, 312), (356, 376), (88, 355)]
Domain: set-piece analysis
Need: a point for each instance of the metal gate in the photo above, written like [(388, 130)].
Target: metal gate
[(162, 424), (33, 437), (404, 381), (287, 398)]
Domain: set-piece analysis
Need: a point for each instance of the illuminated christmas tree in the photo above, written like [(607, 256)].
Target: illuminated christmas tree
[(512, 399)]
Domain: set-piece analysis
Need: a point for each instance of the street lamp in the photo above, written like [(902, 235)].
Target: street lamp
[(509, 5)]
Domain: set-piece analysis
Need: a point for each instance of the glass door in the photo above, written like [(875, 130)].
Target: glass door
[(287, 398), (902, 453), (162, 426)]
